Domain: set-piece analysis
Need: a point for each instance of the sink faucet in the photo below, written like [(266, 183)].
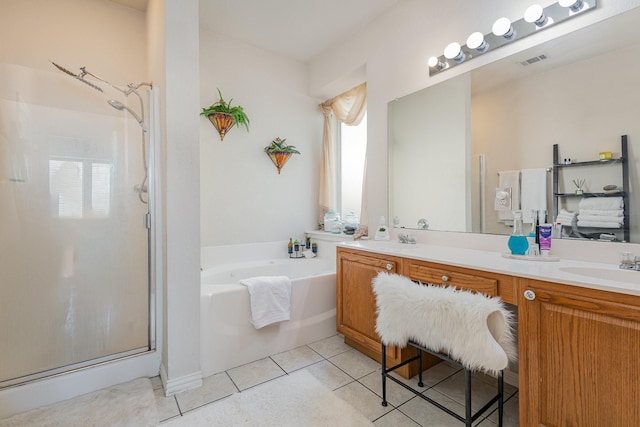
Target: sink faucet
[(406, 238), (629, 262)]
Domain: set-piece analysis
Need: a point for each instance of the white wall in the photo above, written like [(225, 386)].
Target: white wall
[(395, 48), (243, 199), (179, 65)]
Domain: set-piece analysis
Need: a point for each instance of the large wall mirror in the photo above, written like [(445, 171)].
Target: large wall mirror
[(449, 143)]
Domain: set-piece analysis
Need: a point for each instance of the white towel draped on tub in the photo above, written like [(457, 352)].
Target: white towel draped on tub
[(533, 192), (270, 299)]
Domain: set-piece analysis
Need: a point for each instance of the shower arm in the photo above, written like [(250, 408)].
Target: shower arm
[(131, 88)]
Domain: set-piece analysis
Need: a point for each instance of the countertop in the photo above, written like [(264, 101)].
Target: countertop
[(606, 277)]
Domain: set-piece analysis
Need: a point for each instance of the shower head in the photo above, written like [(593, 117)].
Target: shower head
[(120, 106), (79, 76)]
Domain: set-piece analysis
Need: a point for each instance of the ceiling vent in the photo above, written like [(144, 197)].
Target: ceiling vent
[(533, 60)]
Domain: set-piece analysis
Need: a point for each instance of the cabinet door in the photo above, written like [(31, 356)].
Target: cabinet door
[(579, 356), (355, 302)]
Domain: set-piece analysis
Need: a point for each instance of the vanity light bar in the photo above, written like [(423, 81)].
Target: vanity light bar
[(504, 31)]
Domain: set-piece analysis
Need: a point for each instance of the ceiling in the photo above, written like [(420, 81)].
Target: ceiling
[(297, 29)]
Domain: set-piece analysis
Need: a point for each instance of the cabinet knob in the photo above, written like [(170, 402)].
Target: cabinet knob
[(389, 267), (445, 279), (530, 295)]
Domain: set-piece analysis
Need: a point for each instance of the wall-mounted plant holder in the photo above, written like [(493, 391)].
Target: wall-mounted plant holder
[(223, 116), (222, 122), (279, 158), (279, 152)]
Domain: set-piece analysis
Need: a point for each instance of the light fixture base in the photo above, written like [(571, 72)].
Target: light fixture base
[(554, 14)]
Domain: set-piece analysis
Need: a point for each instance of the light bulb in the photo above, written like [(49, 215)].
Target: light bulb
[(502, 28), (434, 62), (574, 5), (535, 15), (453, 51), (476, 41)]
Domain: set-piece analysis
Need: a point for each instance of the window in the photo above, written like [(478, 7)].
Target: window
[(75, 195), (353, 147)]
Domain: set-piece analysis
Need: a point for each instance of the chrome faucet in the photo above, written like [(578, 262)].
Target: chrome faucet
[(406, 238), (629, 262)]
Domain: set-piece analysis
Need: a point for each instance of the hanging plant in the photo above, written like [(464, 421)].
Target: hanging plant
[(223, 116), (279, 152)]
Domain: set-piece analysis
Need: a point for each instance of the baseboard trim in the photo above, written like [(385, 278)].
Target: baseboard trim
[(180, 384)]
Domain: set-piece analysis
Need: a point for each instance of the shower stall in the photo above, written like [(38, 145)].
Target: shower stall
[(76, 285)]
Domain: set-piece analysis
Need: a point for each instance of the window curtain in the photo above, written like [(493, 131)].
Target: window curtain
[(348, 108)]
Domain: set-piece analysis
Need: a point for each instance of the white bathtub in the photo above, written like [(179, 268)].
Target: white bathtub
[(228, 339)]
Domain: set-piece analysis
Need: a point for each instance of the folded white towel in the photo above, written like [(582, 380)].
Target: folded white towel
[(599, 224), (565, 217), (270, 299), (601, 203), (602, 212), (599, 218)]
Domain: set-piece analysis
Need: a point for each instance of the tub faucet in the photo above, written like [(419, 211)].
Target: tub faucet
[(406, 238)]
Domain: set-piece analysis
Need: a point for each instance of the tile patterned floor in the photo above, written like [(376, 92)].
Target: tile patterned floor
[(356, 379)]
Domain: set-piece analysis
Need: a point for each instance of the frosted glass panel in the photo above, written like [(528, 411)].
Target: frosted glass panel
[(74, 282)]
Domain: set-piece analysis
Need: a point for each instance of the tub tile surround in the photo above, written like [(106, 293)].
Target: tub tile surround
[(332, 363)]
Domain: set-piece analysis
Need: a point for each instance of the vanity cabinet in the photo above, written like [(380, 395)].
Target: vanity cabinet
[(578, 348), (579, 355), (356, 303)]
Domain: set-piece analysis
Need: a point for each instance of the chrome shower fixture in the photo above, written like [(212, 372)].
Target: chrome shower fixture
[(120, 106), (129, 89), (79, 76)]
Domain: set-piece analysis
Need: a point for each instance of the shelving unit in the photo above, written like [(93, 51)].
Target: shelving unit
[(622, 161)]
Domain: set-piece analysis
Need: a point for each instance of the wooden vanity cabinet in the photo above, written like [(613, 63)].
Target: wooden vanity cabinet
[(356, 303), (579, 356)]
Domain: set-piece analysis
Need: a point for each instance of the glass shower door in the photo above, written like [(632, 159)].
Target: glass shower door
[(74, 263)]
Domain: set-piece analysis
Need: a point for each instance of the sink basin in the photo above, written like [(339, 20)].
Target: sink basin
[(626, 276)]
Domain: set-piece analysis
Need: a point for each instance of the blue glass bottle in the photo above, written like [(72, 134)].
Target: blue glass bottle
[(518, 243)]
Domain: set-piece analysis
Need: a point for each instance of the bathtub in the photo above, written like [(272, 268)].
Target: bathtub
[(228, 339)]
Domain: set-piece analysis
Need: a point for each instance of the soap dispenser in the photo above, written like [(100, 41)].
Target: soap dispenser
[(383, 231), (518, 243)]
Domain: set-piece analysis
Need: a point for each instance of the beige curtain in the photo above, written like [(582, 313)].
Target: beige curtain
[(348, 108)]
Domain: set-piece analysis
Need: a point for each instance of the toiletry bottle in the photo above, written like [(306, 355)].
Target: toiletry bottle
[(545, 239), (518, 243), (307, 242), (290, 246), (533, 231), (558, 230), (314, 247), (537, 222)]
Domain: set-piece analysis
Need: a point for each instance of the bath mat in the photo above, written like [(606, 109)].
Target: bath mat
[(128, 404), (296, 400)]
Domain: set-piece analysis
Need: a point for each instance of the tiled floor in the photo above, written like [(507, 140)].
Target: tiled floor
[(356, 379)]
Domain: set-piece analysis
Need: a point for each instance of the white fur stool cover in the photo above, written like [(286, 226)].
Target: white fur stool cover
[(471, 328)]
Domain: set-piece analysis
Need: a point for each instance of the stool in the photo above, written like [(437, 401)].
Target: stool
[(464, 328)]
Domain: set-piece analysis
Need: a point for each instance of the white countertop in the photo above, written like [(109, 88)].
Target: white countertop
[(606, 277)]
